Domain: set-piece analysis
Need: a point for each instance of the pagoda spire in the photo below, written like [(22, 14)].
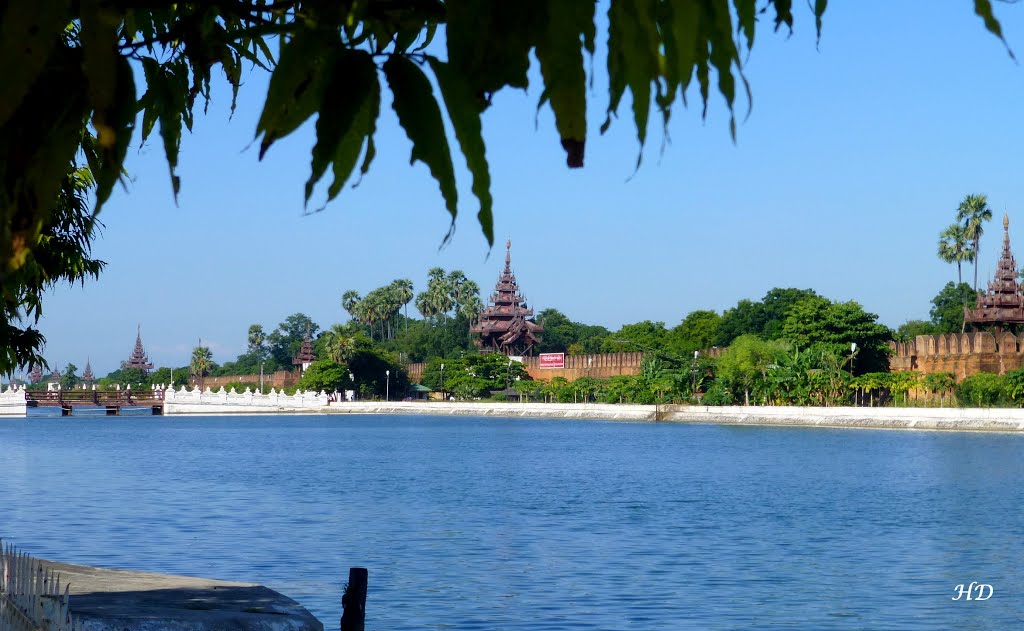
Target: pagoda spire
[(1003, 302), (87, 377), (138, 358), (306, 354), (503, 325)]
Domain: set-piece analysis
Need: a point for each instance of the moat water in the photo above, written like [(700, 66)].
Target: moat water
[(469, 523)]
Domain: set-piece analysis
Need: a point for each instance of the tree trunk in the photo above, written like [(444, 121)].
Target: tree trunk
[(976, 265)]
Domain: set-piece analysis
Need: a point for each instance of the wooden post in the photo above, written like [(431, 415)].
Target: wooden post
[(353, 601)]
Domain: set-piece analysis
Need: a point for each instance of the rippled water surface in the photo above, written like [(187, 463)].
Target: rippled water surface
[(469, 523)]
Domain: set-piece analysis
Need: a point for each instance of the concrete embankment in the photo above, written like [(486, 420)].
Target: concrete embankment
[(961, 419), (120, 600), (591, 411)]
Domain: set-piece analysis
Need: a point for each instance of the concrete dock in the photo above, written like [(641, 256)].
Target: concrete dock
[(121, 600)]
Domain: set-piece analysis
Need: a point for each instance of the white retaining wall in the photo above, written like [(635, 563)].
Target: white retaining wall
[(988, 419), (13, 402), (197, 401), (593, 411)]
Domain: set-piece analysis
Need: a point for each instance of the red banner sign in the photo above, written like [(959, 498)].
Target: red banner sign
[(552, 360)]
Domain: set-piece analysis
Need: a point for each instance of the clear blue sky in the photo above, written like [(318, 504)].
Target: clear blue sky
[(854, 157)]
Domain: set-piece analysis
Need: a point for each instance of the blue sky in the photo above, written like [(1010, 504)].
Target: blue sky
[(853, 159)]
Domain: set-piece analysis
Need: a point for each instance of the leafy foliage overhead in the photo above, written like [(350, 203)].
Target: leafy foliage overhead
[(327, 65)]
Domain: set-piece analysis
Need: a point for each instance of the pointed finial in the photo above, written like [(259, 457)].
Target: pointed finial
[(1006, 221)]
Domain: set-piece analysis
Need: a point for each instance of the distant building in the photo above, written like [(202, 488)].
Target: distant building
[(1003, 303), (505, 325), (138, 358), (87, 377), (306, 354)]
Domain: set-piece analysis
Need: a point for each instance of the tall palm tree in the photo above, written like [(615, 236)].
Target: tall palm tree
[(403, 286), (349, 300), (202, 360), (972, 213), (340, 346), (955, 247)]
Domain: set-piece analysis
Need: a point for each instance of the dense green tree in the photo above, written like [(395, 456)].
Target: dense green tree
[(286, 340), (69, 377), (956, 247), (561, 333), (972, 214), (912, 328), (747, 361), (947, 312), (473, 376), (640, 336), (325, 375), (698, 331), (817, 320)]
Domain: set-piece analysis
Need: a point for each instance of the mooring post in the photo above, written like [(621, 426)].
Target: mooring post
[(353, 601)]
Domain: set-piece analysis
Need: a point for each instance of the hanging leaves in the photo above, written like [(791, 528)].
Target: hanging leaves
[(29, 31), (348, 113), (559, 50), (464, 112), (420, 117)]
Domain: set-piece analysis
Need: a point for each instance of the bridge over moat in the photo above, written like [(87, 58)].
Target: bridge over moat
[(112, 400)]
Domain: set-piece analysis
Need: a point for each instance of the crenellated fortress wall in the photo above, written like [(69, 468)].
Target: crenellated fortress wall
[(962, 354)]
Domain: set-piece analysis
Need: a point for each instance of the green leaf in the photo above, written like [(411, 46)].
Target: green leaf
[(464, 111), (296, 87), (29, 31), (120, 116), (168, 88), (420, 117), (783, 13), (561, 63), (819, 10), (502, 56), (341, 126), (746, 15), (983, 8), (633, 59)]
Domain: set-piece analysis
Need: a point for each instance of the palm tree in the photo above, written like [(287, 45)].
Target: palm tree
[(955, 247), (403, 287), (425, 305), (349, 300), (972, 213), (340, 346), (202, 360)]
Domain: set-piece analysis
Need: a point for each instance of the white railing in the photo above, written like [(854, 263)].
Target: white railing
[(30, 595)]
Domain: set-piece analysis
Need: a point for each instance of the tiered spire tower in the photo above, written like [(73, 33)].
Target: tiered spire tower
[(503, 325), (306, 354), (87, 377), (1003, 303), (138, 358)]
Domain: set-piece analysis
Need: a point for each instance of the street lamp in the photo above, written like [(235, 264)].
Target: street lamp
[(352, 378), (695, 370), (443, 398), (261, 377), (387, 387)]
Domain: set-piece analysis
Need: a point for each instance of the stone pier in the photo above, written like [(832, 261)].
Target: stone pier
[(121, 600)]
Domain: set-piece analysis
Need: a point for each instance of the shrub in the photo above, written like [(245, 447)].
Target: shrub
[(982, 390)]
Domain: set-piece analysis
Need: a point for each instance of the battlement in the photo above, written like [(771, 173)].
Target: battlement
[(962, 354)]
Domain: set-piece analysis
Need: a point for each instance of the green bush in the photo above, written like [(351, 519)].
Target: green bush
[(718, 394), (982, 390)]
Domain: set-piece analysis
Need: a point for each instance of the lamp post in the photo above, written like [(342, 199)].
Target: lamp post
[(352, 378), (443, 398), (261, 377), (695, 370), (387, 387), (853, 351)]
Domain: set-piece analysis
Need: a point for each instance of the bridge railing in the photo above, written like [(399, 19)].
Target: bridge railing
[(96, 397)]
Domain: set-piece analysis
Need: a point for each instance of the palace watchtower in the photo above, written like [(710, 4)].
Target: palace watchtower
[(505, 325), (138, 358), (1002, 305)]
